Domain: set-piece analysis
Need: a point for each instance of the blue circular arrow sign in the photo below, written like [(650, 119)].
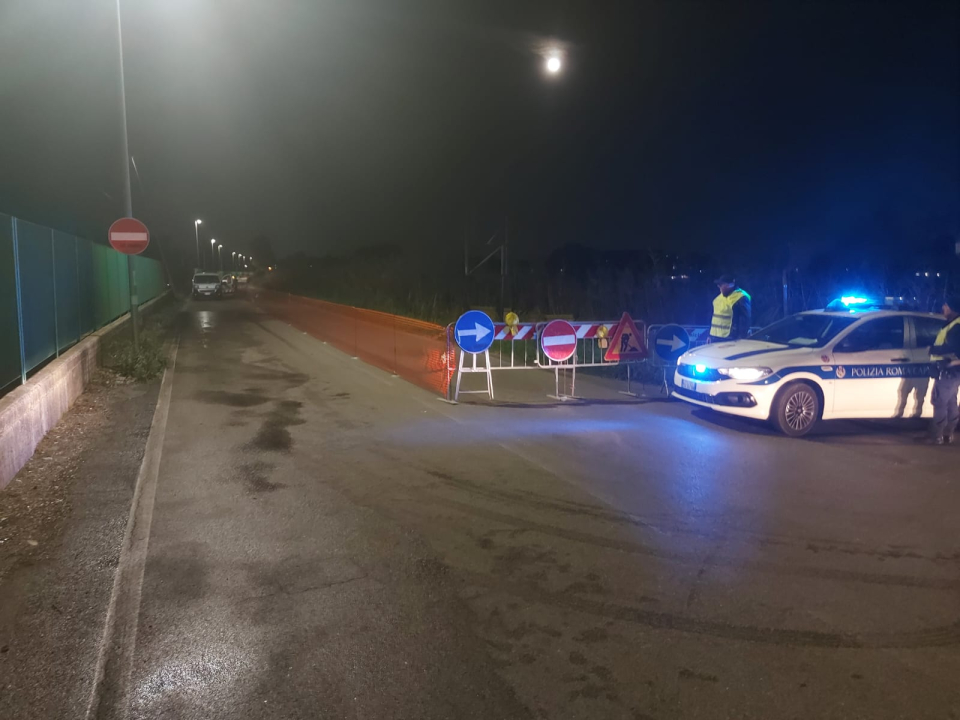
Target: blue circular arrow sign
[(474, 332), (672, 342)]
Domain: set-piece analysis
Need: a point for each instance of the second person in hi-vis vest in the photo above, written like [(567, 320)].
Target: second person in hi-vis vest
[(945, 369)]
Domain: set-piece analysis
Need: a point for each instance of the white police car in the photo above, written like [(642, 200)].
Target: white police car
[(852, 360)]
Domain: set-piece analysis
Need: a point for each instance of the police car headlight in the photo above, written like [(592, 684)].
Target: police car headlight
[(745, 374)]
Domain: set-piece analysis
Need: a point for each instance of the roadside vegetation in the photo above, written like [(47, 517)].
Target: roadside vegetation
[(150, 361)]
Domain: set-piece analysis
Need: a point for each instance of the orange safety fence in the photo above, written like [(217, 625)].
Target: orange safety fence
[(419, 352)]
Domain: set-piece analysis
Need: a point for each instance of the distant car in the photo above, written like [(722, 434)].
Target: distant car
[(228, 287), (823, 364), (207, 285)]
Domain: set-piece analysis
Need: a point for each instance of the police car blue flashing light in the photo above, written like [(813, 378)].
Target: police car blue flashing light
[(859, 303), (823, 364)]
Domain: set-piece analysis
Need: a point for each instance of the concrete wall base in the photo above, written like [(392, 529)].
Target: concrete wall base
[(29, 412)]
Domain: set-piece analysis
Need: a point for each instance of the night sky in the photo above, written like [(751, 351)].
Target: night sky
[(329, 125)]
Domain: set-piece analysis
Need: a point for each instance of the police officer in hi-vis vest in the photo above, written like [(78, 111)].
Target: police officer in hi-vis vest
[(731, 311), (945, 369)]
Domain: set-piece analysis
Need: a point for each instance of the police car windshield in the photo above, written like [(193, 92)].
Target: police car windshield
[(804, 330)]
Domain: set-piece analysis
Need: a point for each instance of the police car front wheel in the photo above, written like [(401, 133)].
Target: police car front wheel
[(796, 409)]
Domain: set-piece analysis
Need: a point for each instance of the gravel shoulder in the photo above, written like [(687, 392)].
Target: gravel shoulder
[(62, 520)]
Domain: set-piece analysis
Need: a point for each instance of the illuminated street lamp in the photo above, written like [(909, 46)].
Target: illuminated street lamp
[(220, 255), (233, 259), (196, 231), (553, 55), (213, 246)]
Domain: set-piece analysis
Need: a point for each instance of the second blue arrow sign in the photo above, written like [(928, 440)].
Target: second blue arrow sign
[(672, 342)]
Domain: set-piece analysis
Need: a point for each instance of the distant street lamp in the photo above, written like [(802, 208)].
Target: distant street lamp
[(554, 64), (213, 246), (196, 231), (220, 255), (233, 259)]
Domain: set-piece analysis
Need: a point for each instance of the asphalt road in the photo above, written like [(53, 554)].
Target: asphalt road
[(328, 541)]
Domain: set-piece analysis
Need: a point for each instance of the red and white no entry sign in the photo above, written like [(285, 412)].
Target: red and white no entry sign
[(129, 236), (558, 340)]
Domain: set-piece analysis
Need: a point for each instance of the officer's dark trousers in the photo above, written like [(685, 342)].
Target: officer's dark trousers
[(945, 409)]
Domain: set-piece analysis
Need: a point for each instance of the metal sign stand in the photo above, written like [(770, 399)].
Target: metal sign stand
[(474, 368), (628, 391), (563, 397), (665, 387)]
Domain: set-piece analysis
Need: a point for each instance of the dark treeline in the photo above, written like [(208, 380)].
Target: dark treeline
[(593, 284)]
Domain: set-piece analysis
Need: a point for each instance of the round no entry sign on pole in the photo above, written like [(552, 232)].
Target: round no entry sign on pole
[(558, 340), (129, 236)]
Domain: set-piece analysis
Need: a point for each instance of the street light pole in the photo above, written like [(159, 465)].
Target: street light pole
[(220, 256), (196, 230), (213, 246), (127, 192)]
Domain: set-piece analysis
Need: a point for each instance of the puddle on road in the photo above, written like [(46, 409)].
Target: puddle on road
[(254, 475), (274, 435), (232, 399)]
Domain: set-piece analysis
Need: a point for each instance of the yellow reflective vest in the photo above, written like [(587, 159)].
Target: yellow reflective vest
[(722, 323), (942, 340)]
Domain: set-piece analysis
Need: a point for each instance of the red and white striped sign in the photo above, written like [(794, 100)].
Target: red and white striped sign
[(525, 331), (558, 340), (129, 236), (588, 330)]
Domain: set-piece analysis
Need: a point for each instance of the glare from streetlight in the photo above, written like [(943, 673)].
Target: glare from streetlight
[(554, 64), (198, 222), (219, 247), (212, 241)]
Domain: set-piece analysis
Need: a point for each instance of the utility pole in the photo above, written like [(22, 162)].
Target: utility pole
[(127, 193), (503, 267), (502, 249)]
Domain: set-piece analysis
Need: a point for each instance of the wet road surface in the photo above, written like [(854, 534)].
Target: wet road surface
[(329, 541)]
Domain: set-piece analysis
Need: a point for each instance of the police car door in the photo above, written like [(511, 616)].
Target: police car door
[(869, 368), (925, 329)]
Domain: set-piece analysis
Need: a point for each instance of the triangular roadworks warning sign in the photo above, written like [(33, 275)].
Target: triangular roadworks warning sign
[(627, 342)]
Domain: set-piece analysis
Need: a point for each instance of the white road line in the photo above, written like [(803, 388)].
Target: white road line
[(109, 698)]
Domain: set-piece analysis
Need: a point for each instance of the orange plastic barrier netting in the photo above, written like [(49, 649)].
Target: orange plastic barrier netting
[(417, 351)]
